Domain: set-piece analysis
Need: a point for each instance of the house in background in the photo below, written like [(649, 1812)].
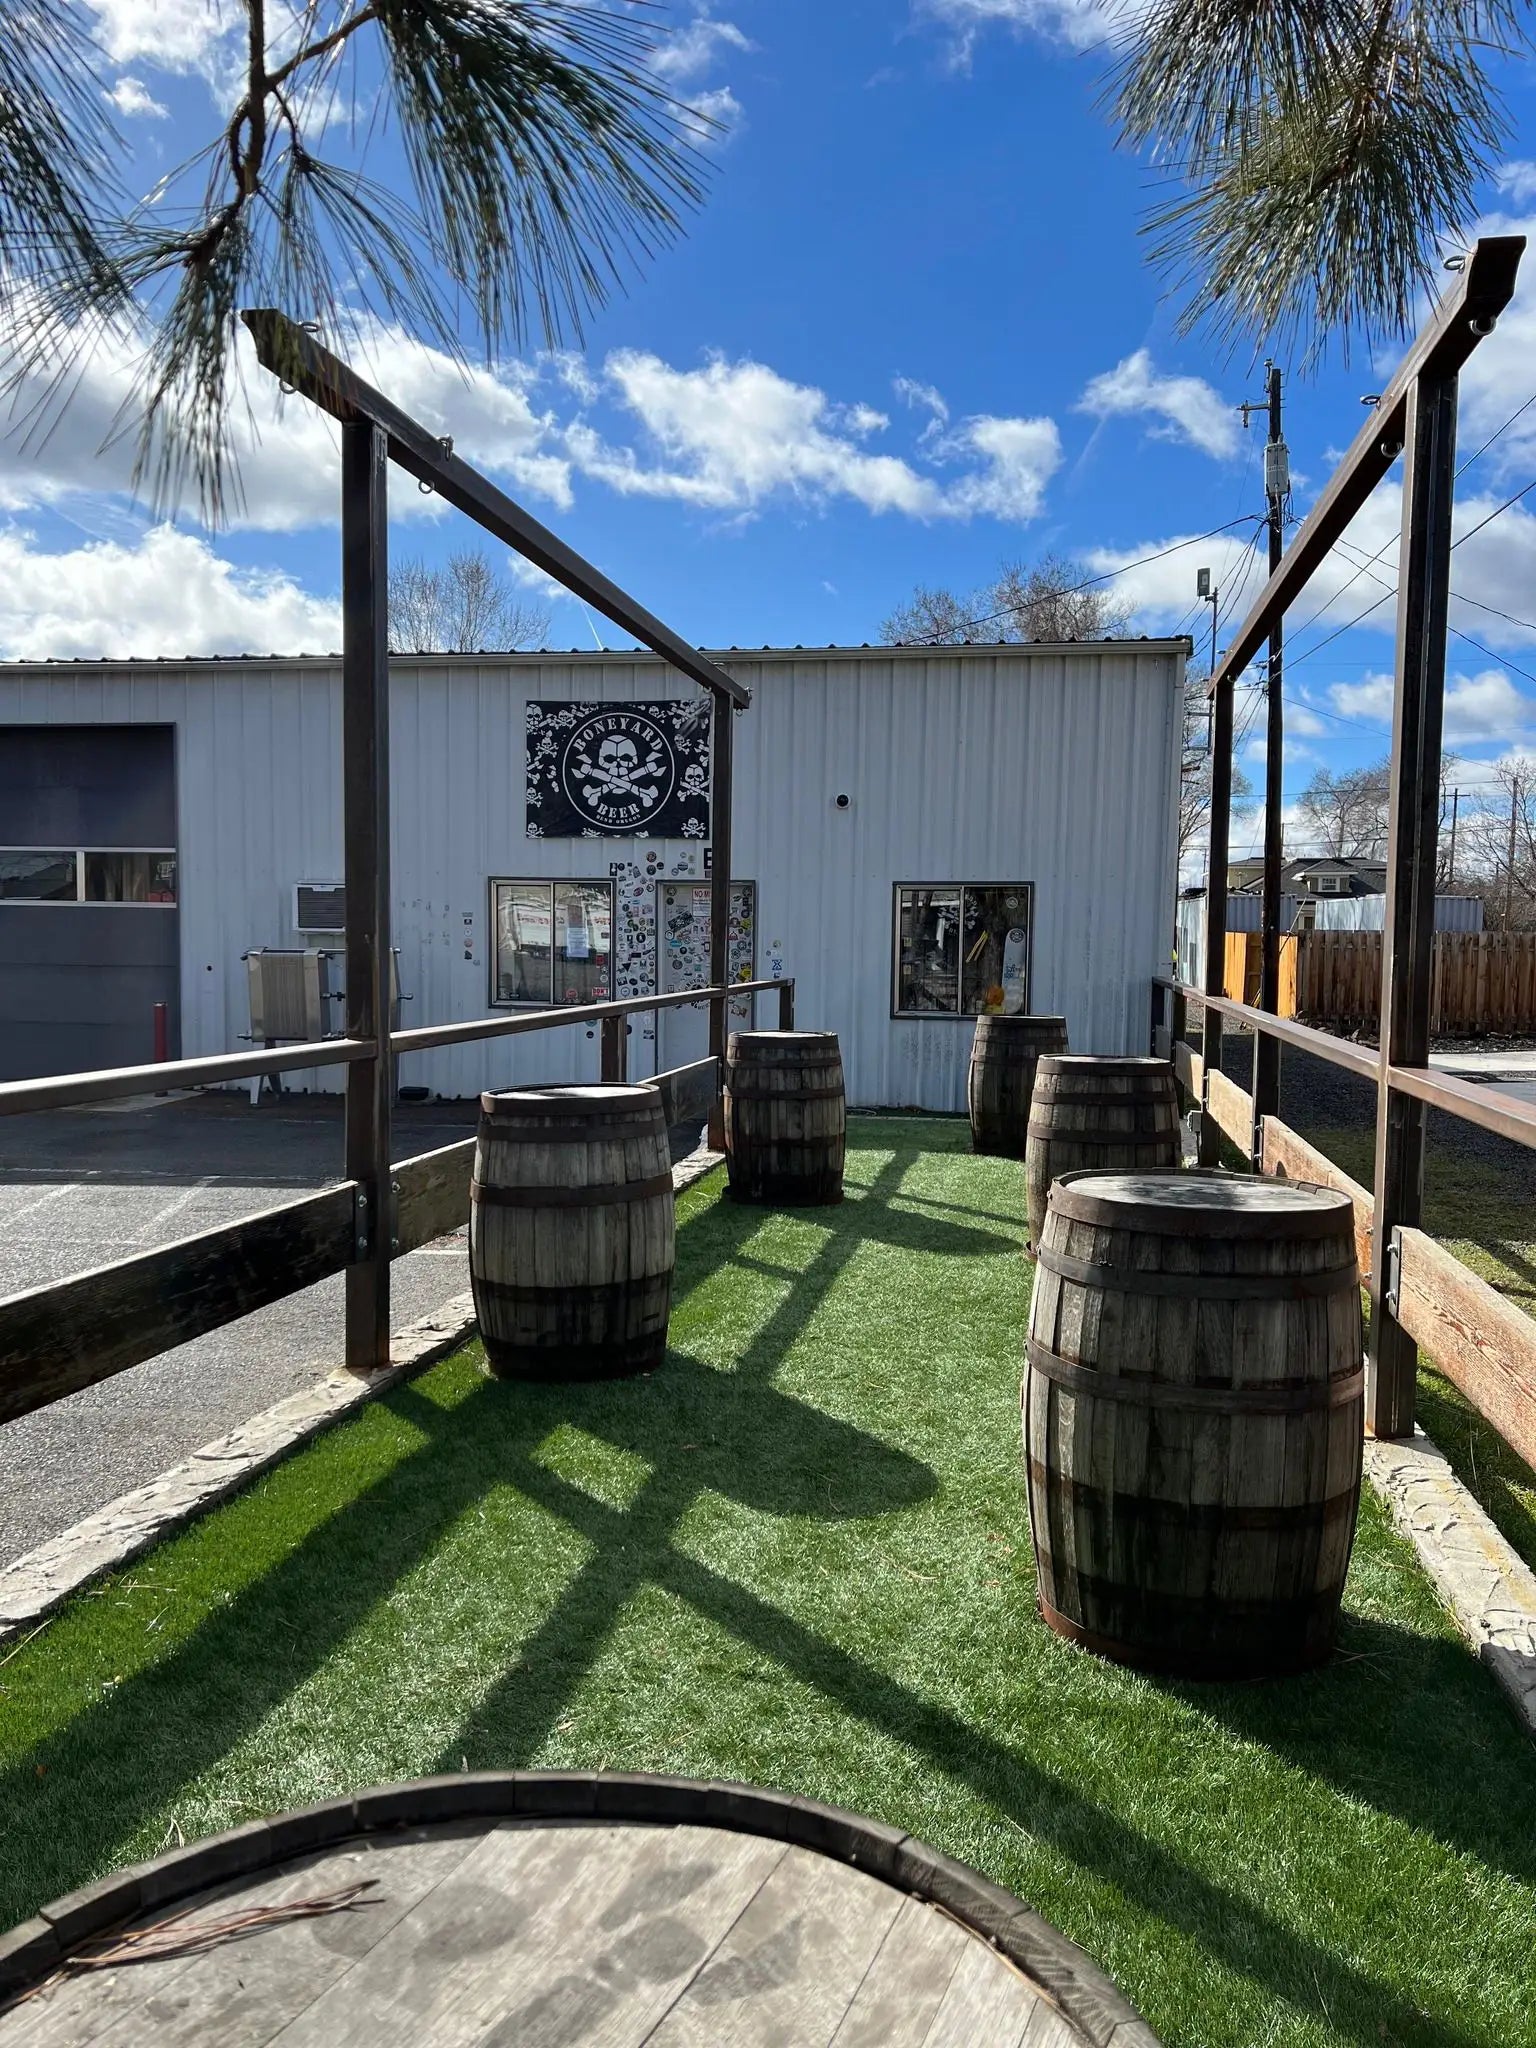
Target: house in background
[(1313, 876)]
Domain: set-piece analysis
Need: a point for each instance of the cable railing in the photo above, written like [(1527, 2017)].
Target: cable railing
[(1480, 1340), (57, 1339)]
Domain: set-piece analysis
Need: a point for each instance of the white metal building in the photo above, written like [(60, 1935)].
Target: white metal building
[(912, 827)]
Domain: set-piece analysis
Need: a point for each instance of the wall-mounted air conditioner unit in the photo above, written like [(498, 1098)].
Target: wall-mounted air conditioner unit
[(319, 907)]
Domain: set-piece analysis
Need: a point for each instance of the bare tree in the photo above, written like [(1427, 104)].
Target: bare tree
[(1195, 778), (1499, 838), (1345, 814), (1054, 599), (460, 606)]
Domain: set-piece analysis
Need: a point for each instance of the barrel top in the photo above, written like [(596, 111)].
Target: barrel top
[(570, 1104), (783, 1041), (1203, 1203), (656, 1892), (1112, 1066), (1034, 1020)]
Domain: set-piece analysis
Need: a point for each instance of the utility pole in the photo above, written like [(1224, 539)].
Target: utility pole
[(1277, 491), (1509, 877)]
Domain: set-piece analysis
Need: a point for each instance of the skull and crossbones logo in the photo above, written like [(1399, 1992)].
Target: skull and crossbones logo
[(618, 770)]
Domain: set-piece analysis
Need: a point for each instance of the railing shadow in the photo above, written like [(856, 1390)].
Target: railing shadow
[(699, 1428)]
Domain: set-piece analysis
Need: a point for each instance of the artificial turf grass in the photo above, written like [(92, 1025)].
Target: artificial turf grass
[(799, 1556), (1482, 1214)]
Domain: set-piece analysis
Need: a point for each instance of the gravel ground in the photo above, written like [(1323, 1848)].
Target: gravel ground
[(1316, 1096), (79, 1188)]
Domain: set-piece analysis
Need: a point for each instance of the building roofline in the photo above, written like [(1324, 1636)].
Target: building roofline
[(59, 666)]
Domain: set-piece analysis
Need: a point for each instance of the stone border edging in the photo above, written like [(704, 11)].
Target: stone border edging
[(1090, 2001), (1490, 1591), (34, 1585)]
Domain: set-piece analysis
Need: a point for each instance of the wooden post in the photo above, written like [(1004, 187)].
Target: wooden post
[(615, 1066), (787, 1006), (719, 898), (1216, 902), (1413, 830), (365, 835)]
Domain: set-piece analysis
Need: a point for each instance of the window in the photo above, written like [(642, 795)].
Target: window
[(553, 941), (39, 877), (1330, 885), (962, 948), (88, 875), (130, 878)]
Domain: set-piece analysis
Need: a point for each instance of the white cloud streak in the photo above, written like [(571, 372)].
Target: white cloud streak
[(1185, 408), (134, 101)]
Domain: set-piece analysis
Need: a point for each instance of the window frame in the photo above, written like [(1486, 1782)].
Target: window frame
[(551, 883), (956, 1015), (81, 854)]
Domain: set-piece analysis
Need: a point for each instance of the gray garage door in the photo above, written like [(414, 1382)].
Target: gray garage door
[(89, 938)]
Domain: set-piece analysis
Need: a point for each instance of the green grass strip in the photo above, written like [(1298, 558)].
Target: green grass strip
[(799, 1556)]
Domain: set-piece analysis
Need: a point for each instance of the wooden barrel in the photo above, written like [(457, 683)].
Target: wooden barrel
[(555, 1907), (1193, 1418), (785, 1117), (1088, 1111), (1004, 1053), (571, 1232)]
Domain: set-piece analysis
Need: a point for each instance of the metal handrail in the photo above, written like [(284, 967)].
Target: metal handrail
[(1471, 1101), (423, 1037), (65, 1091)]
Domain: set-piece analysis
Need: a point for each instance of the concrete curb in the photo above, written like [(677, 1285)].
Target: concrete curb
[(35, 1585), (1490, 1591)]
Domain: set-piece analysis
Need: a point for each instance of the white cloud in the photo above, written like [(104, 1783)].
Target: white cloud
[(1300, 721), (1080, 24), (169, 593), (732, 435), (1517, 181), (175, 35), (685, 55), (287, 451), (132, 98), (1479, 709), (911, 392), (1190, 409), (1370, 699)]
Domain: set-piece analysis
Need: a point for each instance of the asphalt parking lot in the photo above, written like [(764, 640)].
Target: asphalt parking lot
[(79, 1188)]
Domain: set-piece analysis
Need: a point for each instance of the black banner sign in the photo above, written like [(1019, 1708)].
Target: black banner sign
[(633, 771)]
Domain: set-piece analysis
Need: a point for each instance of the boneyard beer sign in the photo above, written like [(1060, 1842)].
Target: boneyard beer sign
[(618, 770)]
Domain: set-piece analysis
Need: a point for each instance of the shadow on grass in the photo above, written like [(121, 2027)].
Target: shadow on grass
[(125, 1758)]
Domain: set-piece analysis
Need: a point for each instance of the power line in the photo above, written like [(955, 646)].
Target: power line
[(1107, 576), (1475, 456)]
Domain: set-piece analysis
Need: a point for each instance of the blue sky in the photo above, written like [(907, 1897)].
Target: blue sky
[(910, 335)]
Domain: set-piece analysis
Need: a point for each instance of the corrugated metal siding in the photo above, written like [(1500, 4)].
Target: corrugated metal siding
[(1369, 914), (1056, 767)]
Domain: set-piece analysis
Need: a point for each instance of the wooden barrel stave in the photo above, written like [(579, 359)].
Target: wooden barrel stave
[(785, 1117), (571, 1232), (1090, 1112), (1196, 1542), (1001, 1077)]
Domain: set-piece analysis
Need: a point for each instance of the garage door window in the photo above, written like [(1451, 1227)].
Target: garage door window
[(962, 949), (28, 876), (130, 878), (553, 940), (87, 874)]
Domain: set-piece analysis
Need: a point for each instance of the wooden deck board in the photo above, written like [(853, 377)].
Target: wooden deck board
[(531, 1934)]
